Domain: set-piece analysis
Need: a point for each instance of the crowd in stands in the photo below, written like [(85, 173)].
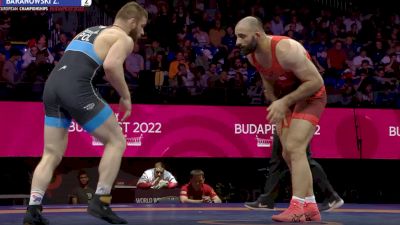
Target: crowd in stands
[(188, 54)]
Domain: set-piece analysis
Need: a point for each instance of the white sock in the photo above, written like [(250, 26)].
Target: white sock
[(301, 200), (103, 189), (36, 197), (310, 199)]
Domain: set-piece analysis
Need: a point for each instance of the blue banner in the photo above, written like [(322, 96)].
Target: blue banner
[(45, 3)]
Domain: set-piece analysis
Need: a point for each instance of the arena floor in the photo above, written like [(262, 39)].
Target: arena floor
[(182, 214)]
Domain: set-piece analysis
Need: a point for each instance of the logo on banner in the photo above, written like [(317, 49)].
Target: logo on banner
[(130, 141), (134, 141), (264, 142)]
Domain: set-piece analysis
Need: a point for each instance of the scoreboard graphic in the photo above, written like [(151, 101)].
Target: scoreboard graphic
[(44, 5)]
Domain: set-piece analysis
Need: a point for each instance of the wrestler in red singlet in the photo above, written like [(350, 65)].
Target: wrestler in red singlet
[(285, 82), (297, 94)]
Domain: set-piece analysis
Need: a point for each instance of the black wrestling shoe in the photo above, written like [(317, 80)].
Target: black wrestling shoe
[(332, 203), (34, 216), (262, 203), (99, 206)]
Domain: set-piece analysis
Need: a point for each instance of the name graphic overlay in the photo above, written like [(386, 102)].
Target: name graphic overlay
[(44, 5)]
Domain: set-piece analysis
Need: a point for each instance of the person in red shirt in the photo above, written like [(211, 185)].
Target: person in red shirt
[(297, 94), (196, 191), (337, 58)]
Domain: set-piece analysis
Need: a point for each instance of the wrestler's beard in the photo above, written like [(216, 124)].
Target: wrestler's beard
[(250, 48), (134, 35)]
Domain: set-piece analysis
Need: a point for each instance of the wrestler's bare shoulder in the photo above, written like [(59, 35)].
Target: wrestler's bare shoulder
[(108, 37), (289, 52), (112, 34)]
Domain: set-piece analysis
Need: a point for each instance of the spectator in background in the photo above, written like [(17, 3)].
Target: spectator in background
[(29, 56), (154, 49), (5, 24), (277, 25), (229, 40), (352, 19), (173, 67), (44, 64), (294, 25), (319, 53), (201, 36), (351, 48), (60, 47), (204, 58), (196, 191), (2, 61), (357, 61), (365, 69), (392, 68), (255, 91), (336, 58), (10, 70), (347, 90), (44, 56), (365, 95), (157, 178), (83, 193), (216, 34), (29, 65), (184, 77), (6, 50), (159, 67), (134, 63), (377, 52)]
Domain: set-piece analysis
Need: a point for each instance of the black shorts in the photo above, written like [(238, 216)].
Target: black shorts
[(69, 94)]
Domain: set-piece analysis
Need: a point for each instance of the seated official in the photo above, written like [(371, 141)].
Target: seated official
[(157, 178), (196, 191)]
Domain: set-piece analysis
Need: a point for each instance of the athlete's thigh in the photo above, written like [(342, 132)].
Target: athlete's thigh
[(298, 134), (302, 121), (109, 131), (283, 136), (57, 121)]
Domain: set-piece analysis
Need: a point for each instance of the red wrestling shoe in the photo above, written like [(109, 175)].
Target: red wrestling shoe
[(295, 213), (311, 212)]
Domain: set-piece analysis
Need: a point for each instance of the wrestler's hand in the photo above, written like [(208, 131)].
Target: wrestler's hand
[(125, 105), (277, 111)]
